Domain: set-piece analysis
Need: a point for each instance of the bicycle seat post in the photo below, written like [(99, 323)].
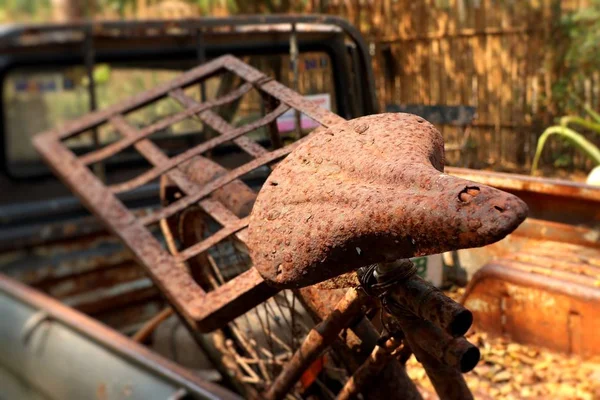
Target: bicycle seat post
[(371, 193)]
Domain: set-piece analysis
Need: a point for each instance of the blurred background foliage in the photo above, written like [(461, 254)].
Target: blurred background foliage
[(578, 55), (58, 10), (522, 64)]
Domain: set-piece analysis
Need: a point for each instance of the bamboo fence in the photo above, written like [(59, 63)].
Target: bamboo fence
[(500, 56)]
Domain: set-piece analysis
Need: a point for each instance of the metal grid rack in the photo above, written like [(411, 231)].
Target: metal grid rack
[(204, 310)]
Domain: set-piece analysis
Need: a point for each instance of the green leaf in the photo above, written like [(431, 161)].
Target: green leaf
[(101, 73), (576, 139), (573, 120)]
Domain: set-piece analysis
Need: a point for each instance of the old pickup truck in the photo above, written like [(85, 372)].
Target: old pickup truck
[(51, 74)]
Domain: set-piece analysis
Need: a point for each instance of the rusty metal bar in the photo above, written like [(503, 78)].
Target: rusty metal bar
[(155, 172), (166, 273), (369, 370), (448, 382), (454, 352), (140, 134), (284, 94), (217, 123), (155, 156), (316, 341), (201, 311), (357, 344), (227, 302), (428, 302), (215, 238), (218, 183), (142, 99), (270, 105), (150, 326)]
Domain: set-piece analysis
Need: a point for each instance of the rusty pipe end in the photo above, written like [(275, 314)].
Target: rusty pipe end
[(462, 354), (461, 323), (426, 301), (470, 359)]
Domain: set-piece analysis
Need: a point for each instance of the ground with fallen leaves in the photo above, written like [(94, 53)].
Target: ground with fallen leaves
[(512, 371)]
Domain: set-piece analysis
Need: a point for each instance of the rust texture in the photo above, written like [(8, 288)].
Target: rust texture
[(154, 173), (448, 381), (445, 357), (365, 376), (353, 348), (317, 340), (204, 311), (216, 184), (428, 302), (365, 191), (352, 193), (357, 344), (507, 294), (456, 352)]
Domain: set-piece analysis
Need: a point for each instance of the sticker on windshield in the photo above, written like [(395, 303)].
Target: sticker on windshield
[(430, 268), (287, 122)]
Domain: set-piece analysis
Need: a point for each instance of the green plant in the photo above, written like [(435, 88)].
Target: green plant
[(572, 136), (573, 54)]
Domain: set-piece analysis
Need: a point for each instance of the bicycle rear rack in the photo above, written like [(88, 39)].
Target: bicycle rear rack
[(206, 311)]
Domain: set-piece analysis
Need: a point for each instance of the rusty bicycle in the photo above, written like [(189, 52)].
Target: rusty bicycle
[(319, 260)]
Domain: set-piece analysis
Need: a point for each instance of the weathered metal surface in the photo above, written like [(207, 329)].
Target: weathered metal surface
[(448, 381), (235, 196), (522, 183), (52, 349), (454, 352), (546, 296), (169, 164), (442, 355), (379, 216), (365, 191), (424, 300), (95, 274), (356, 345), (317, 340), (217, 123), (205, 311), (532, 234), (557, 232), (366, 375)]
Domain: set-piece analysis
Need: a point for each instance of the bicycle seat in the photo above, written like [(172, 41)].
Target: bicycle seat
[(365, 191)]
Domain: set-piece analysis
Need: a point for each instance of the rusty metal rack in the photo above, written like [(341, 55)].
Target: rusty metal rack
[(206, 311)]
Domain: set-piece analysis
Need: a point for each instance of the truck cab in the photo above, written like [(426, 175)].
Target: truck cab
[(51, 74)]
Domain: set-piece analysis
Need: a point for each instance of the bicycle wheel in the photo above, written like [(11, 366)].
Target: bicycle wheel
[(255, 346)]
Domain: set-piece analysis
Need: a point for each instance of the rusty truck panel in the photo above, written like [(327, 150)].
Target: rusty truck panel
[(540, 285), (546, 296)]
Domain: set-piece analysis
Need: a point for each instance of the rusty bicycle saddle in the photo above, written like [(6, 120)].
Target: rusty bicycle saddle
[(369, 190)]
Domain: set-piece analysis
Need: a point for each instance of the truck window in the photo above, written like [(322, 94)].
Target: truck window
[(37, 99)]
